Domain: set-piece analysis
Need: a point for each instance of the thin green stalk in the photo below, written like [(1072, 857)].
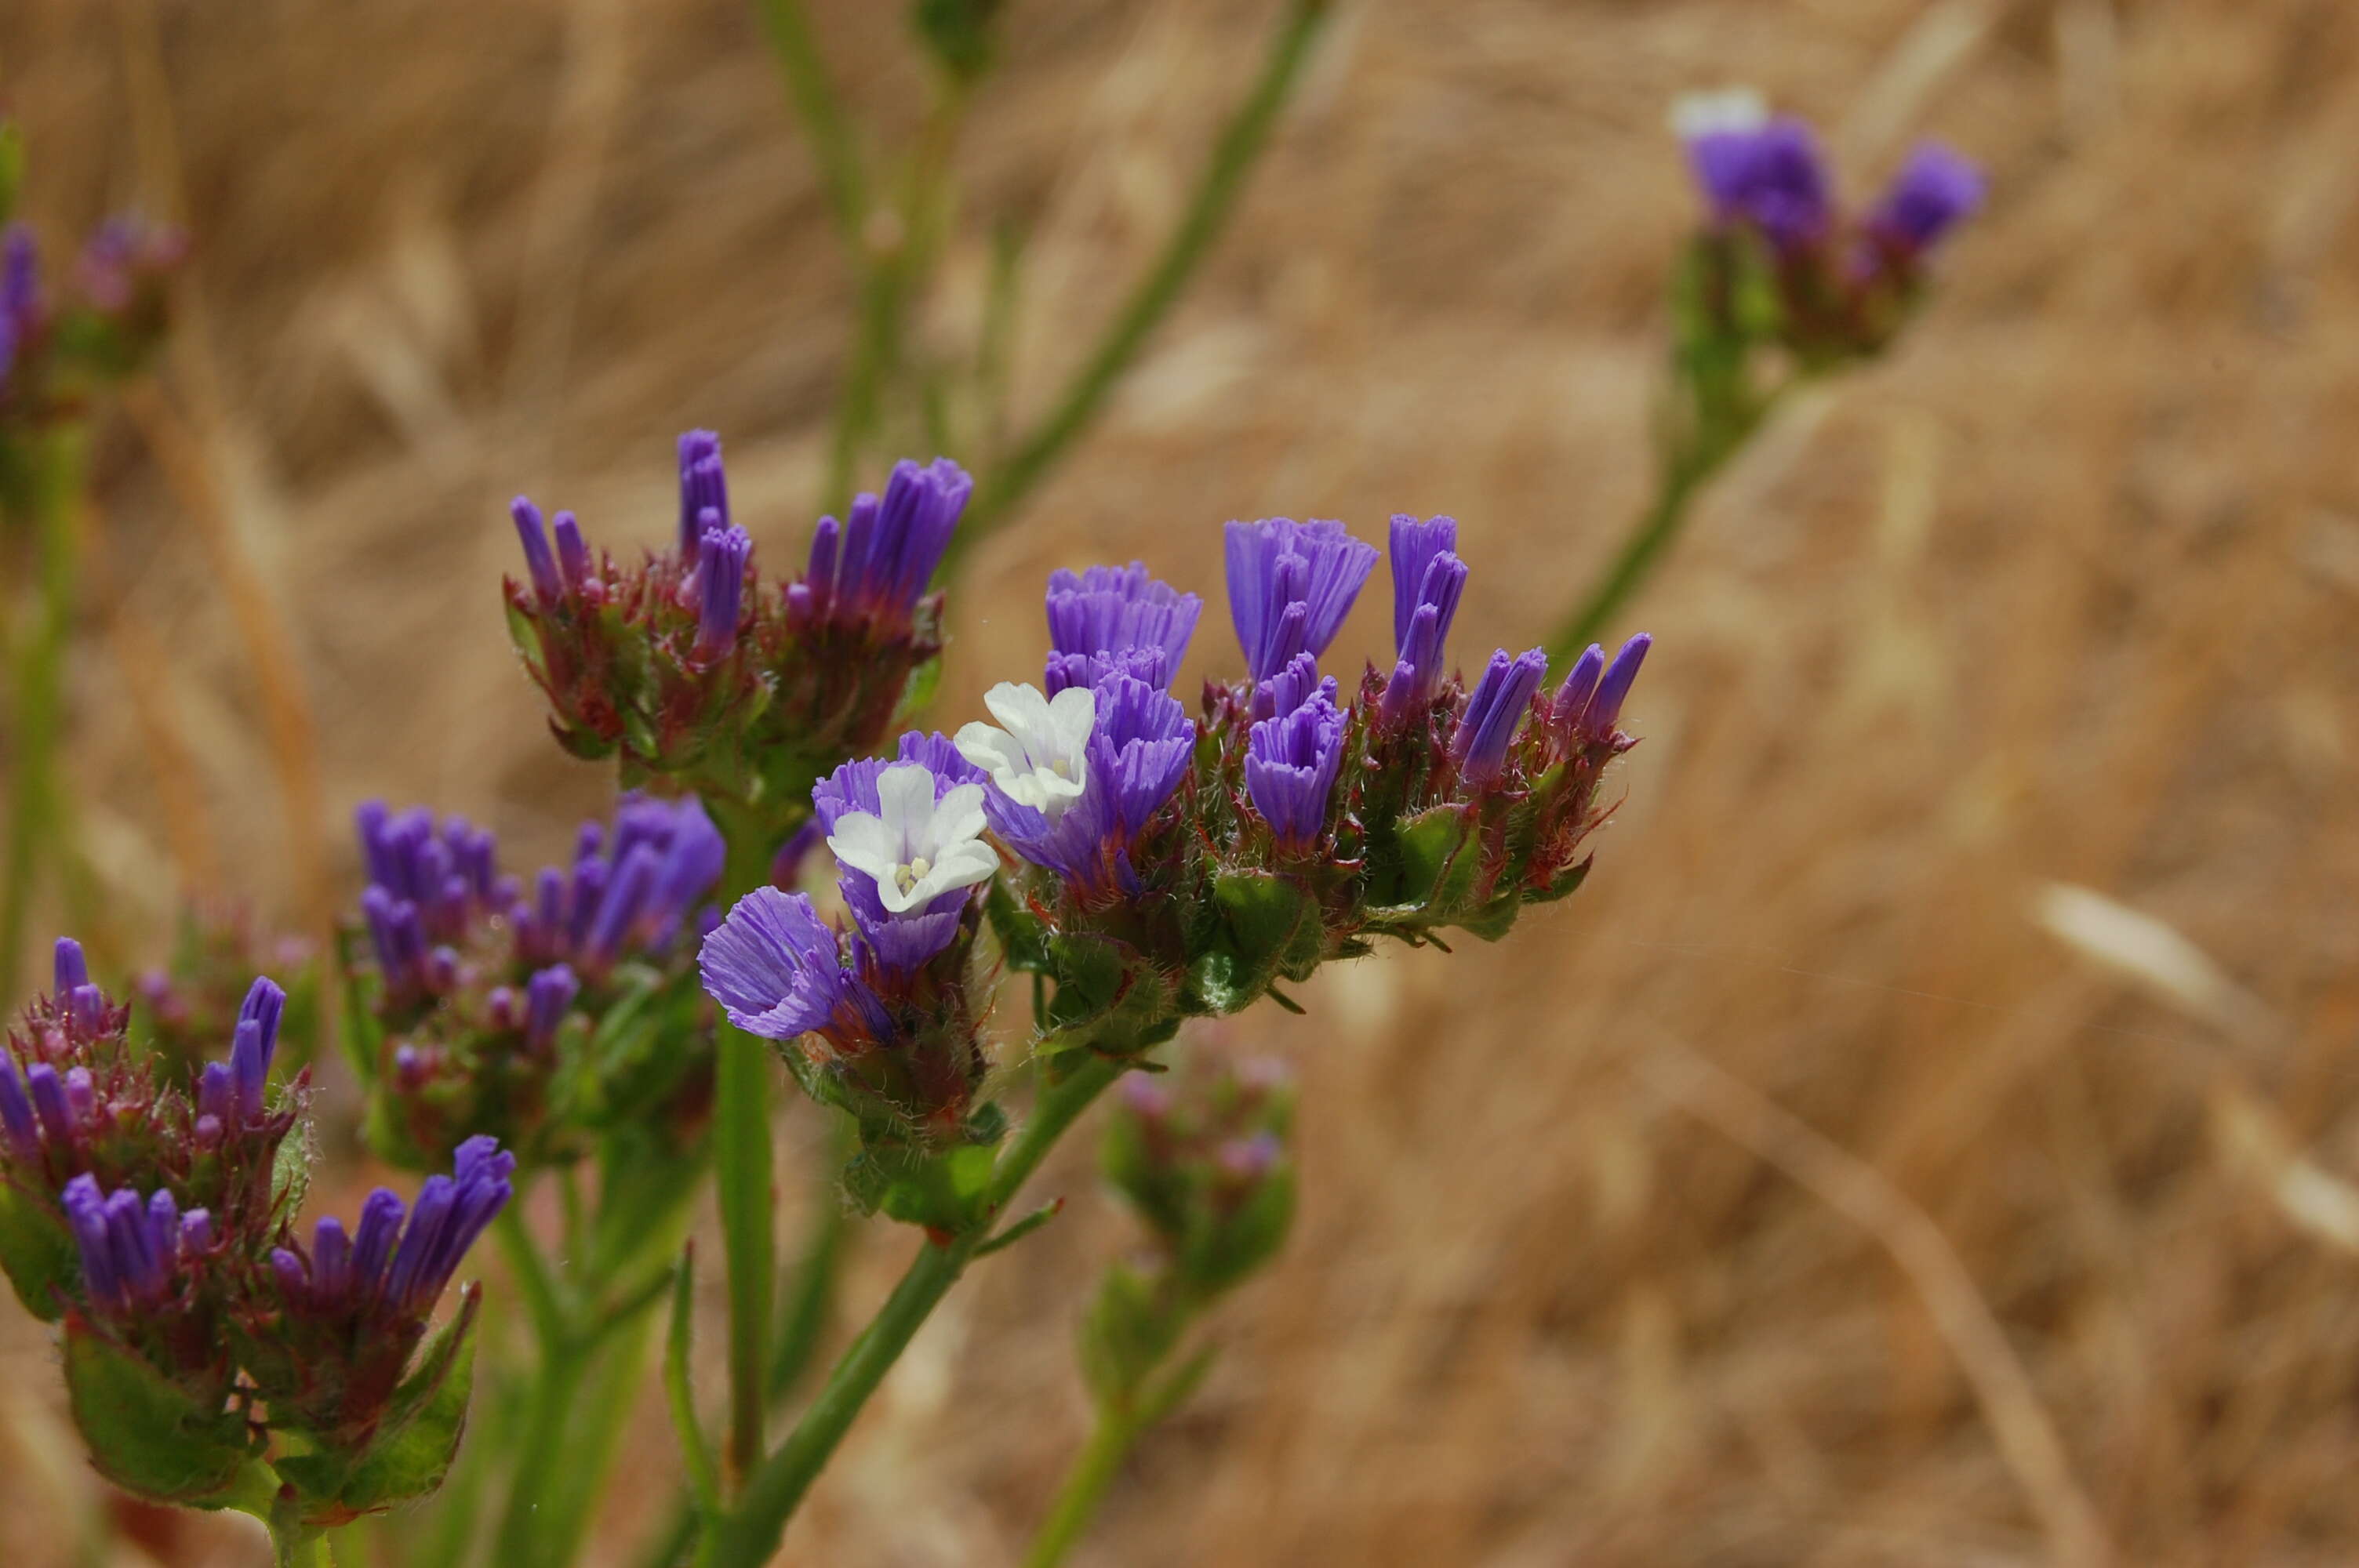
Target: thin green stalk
[(1240, 145), (821, 113), (539, 1450), (1093, 1471), (751, 1530), (1641, 550), (35, 800), (741, 1137), (808, 1305), (609, 1399)]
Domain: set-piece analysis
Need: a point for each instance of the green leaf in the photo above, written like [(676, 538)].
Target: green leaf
[(146, 1434), (37, 1252), (413, 1449)]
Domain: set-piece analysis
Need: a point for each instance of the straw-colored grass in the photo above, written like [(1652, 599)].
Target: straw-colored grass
[(2061, 593)]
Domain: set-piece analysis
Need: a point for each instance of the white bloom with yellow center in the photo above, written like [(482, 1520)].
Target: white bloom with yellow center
[(914, 847), (1035, 753)]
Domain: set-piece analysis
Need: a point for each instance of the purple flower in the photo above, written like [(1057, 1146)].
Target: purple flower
[(1116, 620), (1290, 764), (385, 1271), (1935, 190), (1428, 577), (1494, 709), (1074, 782), (251, 1044), (17, 1123), (704, 492), (906, 834), (572, 554), (533, 535), (449, 875), (1290, 585), (720, 575), (777, 971), (875, 567), (1290, 687), (1758, 168), (20, 276), (131, 1252)]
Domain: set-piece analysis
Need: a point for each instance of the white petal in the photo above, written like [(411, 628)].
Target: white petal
[(992, 749), (1020, 708), (866, 843), (906, 791), (1072, 714), (958, 817), (1697, 114)]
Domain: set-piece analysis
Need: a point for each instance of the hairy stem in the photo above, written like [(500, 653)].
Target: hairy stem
[(751, 1530), (1242, 141)]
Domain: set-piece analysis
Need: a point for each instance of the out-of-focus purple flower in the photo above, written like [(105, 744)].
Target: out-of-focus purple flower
[(122, 253), (704, 492), (1290, 585), (20, 276), (384, 1271), (533, 533), (131, 1250), (1290, 763), (1758, 168), (448, 874), (1493, 711), (777, 970), (875, 567), (721, 575), (1116, 620), (1077, 816), (1428, 577), (1935, 190)]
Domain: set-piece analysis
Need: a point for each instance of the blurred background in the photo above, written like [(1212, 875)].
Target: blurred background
[(2061, 591)]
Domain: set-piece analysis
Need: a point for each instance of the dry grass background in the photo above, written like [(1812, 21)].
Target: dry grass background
[(2061, 591)]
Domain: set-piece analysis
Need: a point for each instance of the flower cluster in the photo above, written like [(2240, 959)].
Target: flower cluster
[(151, 1206), (185, 1004), (531, 1013), (687, 663), (1151, 866), (58, 346), (1781, 259), (1199, 1156)]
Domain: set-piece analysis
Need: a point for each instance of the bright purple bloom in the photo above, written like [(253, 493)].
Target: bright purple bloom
[(387, 1272), (1494, 709), (852, 786), (703, 489), (1428, 577), (1571, 699), (1290, 687), (777, 971), (1606, 708), (131, 1252), (875, 567), (1290, 585), (538, 560), (1771, 175), (573, 553), (1935, 190), (720, 575), (1138, 750), (69, 970), (904, 940), (449, 875), (1290, 763), (251, 1044), (1116, 620)]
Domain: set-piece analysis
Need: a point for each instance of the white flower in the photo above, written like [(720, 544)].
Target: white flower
[(915, 847), (1695, 114), (1036, 759)]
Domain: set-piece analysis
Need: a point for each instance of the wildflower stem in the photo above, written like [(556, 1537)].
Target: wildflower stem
[(746, 1537), (1093, 1471), (821, 113), (1241, 144), (741, 1139), (1641, 551), (34, 800)]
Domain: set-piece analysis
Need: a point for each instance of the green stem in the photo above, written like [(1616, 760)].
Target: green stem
[(609, 1399), (746, 1537), (541, 1449), (821, 113), (1645, 546), (34, 801), (1240, 145), (741, 1137), (1093, 1471)]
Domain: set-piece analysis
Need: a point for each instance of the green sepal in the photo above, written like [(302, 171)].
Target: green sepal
[(37, 1251), (412, 1448), (1131, 1327), (1434, 872), (1023, 938), (941, 1189), (1107, 996), (1273, 921), (145, 1433), (1563, 885), (290, 1170), (1219, 1257)]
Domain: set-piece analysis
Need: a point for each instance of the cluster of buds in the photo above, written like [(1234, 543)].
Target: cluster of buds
[(149, 1204), (184, 1005), (534, 1014), (1780, 262), (1150, 866), (1199, 1156), (688, 664), (59, 346)]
